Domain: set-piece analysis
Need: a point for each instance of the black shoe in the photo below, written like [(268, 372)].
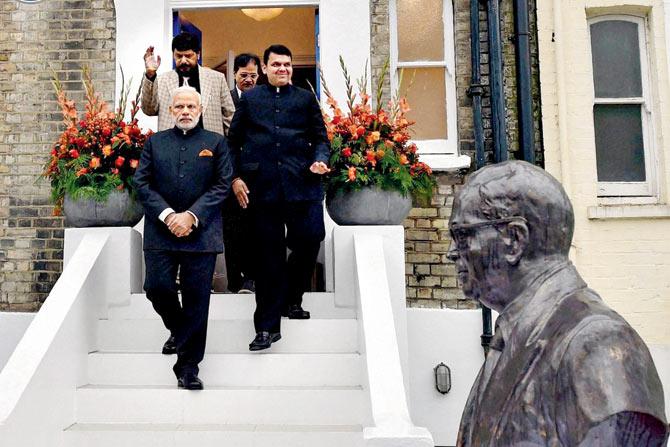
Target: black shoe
[(170, 347), (189, 381), (248, 286), (264, 340), (296, 312)]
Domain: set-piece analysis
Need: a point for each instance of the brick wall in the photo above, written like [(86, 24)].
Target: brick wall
[(54, 35), (431, 278)]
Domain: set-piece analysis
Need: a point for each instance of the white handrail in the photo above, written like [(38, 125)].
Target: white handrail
[(388, 398), (58, 331)]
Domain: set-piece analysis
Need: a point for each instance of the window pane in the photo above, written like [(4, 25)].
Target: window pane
[(616, 59), (619, 143), (420, 30), (426, 97)]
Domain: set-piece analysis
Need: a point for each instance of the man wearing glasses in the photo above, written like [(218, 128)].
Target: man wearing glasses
[(236, 236), (564, 369)]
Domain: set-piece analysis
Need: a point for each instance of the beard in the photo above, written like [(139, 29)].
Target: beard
[(187, 126), (187, 70)]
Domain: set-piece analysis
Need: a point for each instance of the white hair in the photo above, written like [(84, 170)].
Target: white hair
[(185, 89)]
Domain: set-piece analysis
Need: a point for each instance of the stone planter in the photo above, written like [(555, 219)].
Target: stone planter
[(119, 210), (368, 206)]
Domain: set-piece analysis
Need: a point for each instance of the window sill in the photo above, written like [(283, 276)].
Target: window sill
[(628, 212), (445, 162)]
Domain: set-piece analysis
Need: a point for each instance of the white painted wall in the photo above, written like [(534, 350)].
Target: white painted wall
[(452, 337), (12, 327)]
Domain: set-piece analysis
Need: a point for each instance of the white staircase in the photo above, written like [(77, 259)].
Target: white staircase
[(307, 390), (88, 371)]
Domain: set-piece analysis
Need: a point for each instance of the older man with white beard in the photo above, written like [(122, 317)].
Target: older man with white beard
[(183, 177)]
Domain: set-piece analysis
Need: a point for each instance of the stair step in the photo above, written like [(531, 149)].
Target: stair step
[(233, 306), (222, 405), (201, 435), (251, 369), (234, 336)]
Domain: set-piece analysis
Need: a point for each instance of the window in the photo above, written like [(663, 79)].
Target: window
[(622, 108), (422, 49)]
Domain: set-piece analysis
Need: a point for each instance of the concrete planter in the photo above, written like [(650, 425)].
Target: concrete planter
[(368, 206), (119, 210)]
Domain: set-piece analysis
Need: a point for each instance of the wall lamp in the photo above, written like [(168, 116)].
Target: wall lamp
[(442, 378)]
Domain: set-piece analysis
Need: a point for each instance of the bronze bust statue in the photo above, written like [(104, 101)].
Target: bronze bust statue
[(564, 369)]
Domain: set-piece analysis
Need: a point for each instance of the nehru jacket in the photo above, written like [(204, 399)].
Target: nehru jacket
[(276, 135), (185, 171)]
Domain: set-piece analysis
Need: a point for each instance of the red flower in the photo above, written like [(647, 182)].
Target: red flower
[(346, 152), (114, 171), (73, 153), (106, 131), (119, 162)]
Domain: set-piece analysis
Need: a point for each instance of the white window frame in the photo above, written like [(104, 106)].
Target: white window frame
[(648, 188), (440, 154)]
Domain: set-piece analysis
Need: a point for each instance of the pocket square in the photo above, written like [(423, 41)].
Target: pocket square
[(205, 153)]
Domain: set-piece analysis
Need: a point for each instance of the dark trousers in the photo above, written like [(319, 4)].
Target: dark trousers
[(281, 282), (238, 240), (186, 321)]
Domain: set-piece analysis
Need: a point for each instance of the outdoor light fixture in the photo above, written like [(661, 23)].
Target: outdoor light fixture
[(442, 378), (261, 14)]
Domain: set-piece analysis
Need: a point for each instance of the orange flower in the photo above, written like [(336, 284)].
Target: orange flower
[(372, 138), (403, 159), (351, 174), (404, 105), (81, 172), (107, 150), (380, 154), (94, 163), (371, 158), (134, 163)]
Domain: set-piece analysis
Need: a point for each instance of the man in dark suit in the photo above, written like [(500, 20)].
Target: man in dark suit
[(183, 177), (237, 236), (280, 150)]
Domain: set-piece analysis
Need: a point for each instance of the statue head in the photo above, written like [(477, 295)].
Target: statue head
[(509, 220)]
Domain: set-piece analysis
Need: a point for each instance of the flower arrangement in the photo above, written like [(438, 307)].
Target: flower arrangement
[(372, 148), (98, 154)]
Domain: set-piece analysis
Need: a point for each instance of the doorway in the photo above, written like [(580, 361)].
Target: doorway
[(227, 32)]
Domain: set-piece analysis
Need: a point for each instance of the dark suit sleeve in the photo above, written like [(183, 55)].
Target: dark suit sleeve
[(236, 134), (318, 133), (151, 200), (210, 202)]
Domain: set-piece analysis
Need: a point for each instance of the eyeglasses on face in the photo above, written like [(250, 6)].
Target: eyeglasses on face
[(461, 232), (248, 75)]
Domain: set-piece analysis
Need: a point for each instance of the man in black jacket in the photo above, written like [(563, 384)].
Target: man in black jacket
[(183, 177), (280, 150), (237, 235)]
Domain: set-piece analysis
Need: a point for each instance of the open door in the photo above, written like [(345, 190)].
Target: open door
[(179, 25)]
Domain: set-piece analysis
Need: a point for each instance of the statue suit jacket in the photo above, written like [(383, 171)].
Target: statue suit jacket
[(562, 364), (282, 133), (181, 171), (217, 104)]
